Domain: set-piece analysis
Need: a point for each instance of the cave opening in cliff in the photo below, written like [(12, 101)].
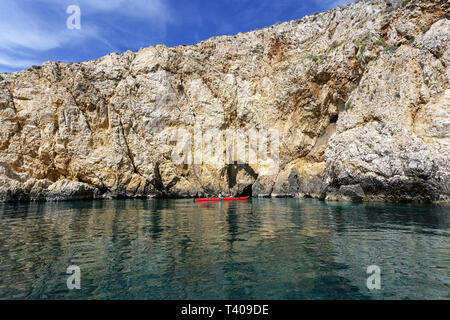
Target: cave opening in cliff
[(334, 118), (232, 171), (247, 191)]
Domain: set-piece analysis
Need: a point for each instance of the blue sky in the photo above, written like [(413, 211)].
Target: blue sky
[(34, 31)]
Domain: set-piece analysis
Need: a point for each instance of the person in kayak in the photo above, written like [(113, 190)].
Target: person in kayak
[(221, 195)]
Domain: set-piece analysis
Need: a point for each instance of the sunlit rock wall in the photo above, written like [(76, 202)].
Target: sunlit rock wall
[(358, 94)]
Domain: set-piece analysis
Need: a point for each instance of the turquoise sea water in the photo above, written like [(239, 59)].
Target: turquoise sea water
[(258, 249)]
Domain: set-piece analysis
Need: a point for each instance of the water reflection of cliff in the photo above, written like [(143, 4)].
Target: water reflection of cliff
[(264, 249)]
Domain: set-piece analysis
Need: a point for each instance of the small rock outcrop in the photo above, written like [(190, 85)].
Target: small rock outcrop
[(358, 94)]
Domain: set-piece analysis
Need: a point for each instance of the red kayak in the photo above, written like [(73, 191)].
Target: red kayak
[(218, 199)]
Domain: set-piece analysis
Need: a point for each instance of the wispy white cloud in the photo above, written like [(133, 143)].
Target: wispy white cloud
[(33, 28), (20, 29), (150, 9), (157, 10), (16, 62)]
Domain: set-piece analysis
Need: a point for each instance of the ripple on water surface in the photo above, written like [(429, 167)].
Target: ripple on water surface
[(259, 249)]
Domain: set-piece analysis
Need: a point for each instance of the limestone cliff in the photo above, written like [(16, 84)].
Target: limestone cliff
[(359, 95)]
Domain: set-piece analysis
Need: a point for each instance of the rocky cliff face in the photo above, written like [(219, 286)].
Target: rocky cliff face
[(359, 95)]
